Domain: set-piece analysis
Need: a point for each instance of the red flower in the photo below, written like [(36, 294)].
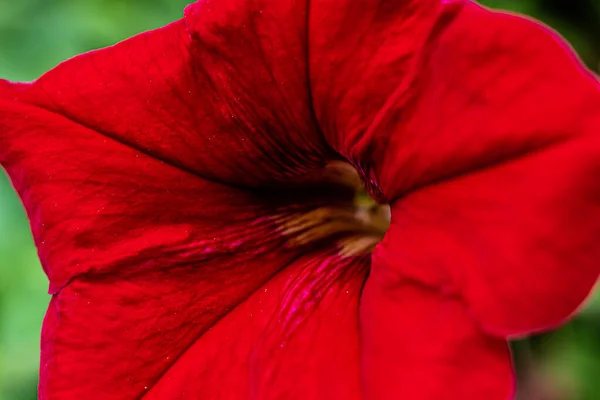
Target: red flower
[(176, 193)]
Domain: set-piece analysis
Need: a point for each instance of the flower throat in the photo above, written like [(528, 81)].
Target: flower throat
[(355, 226)]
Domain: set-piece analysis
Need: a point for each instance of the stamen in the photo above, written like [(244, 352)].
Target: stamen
[(356, 227)]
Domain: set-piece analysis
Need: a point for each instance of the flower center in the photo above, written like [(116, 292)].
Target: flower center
[(355, 225)]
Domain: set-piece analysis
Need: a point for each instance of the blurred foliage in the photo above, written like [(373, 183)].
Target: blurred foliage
[(37, 34)]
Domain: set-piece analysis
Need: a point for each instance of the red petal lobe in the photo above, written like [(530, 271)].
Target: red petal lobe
[(483, 129), (421, 344)]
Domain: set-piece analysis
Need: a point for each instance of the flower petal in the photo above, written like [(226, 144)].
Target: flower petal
[(299, 339), (109, 153), (519, 240), (112, 153), (421, 344), (483, 129), (226, 104), (136, 251), (144, 258)]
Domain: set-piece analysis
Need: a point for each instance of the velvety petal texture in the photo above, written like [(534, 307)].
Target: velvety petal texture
[(144, 250), (483, 133), (143, 258), (296, 337), (418, 343), (183, 96), (167, 179)]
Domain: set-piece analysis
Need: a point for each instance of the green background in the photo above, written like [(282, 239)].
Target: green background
[(37, 34)]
